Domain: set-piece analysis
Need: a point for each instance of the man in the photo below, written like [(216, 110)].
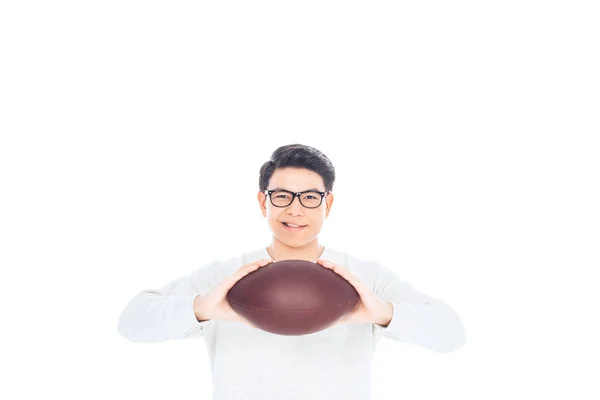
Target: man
[(295, 195)]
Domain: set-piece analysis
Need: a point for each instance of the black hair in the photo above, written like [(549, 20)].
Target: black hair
[(298, 156)]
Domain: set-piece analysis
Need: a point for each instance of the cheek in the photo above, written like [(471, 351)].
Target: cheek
[(273, 218)]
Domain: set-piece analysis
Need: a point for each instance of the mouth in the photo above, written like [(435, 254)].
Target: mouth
[(293, 229)]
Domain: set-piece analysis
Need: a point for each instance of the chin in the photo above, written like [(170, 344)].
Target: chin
[(296, 244)]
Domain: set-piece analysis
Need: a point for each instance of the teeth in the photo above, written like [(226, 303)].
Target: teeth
[(293, 226)]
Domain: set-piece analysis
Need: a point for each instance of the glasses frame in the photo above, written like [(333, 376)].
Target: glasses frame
[(297, 194)]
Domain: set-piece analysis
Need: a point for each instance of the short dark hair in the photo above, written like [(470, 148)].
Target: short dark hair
[(298, 156)]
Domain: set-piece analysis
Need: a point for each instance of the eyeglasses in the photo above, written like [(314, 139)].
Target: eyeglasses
[(283, 198)]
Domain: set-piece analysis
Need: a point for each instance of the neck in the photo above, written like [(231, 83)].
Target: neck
[(279, 251)]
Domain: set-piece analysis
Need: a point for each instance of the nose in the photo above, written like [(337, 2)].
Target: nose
[(296, 206)]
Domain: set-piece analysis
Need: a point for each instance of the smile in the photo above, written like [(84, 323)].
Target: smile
[(290, 228)]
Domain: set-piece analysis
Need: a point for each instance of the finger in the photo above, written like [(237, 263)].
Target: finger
[(344, 273), (246, 321), (242, 272), (258, 263), (322, 262), (255, 265)]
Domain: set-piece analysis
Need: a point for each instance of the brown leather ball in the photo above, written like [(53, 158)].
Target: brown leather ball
[(293, 297)]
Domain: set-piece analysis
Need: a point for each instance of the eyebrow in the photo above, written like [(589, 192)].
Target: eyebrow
[(307, 190)]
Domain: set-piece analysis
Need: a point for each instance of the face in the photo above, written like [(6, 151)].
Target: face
[(295, 180)]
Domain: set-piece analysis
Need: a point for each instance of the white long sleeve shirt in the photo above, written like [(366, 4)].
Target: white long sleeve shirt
[(248, 363)]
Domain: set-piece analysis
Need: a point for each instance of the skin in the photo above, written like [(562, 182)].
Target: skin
[(305, 245)]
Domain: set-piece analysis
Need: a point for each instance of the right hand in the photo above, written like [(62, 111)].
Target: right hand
[(214, 304)]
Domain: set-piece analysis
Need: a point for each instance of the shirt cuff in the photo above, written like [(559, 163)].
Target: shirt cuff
[(403, 319), (184, 317)]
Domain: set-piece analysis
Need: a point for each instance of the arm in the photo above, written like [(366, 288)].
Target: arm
[(170, 312), (416, 318)]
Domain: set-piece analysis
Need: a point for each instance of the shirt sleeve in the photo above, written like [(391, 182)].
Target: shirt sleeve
[(417, 318), (154, 315)]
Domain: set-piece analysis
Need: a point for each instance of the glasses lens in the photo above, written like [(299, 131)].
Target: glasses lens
[(310, 199), (284, 199)]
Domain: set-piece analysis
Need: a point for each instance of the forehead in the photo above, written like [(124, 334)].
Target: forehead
[(296, 180)]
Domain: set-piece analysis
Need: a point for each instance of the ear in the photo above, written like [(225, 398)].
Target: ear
[(328, 202), (262, 203)]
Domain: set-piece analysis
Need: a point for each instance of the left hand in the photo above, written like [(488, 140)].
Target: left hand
[(370, 308)]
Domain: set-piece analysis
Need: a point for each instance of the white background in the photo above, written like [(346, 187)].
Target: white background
[(463, 136)]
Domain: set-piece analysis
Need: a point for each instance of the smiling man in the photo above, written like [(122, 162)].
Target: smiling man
[(296, 206), (295, 196)]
